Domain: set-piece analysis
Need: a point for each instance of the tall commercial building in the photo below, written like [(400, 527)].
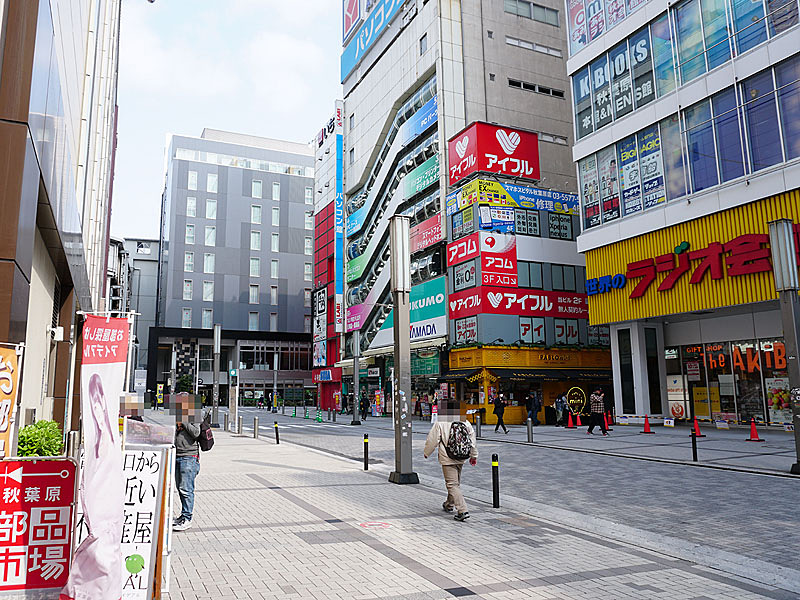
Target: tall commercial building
[(58, 115), (143, 255), (686, 118), (236, 249), (477, 73)]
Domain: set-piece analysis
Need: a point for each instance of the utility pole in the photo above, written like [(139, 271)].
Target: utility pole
[(217, 349), (399, 227)]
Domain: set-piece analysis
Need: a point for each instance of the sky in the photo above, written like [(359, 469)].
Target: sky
[(262, 67)]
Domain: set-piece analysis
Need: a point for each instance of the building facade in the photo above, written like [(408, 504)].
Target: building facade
[(416, 75), (236, 249), (143, 255), (685, 116)]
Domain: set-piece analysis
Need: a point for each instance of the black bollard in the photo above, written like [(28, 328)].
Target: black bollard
[(495, 481), (366, 452), (277, 435), (694, 446)]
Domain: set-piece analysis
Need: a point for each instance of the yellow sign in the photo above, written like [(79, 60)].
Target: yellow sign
[(10, 363), (500, 356), (718, 260)]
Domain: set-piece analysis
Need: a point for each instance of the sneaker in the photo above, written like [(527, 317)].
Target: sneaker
[(461, 517), (447, 508), (589, 433), (182, 525), (605, 433)]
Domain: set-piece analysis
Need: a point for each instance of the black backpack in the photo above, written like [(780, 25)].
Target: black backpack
[(206, 437), (459, 444)]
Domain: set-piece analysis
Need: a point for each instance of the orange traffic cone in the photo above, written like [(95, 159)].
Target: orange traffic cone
[(647, 426), (570, 424), (753, 433), (605, 422), (697, 429), (579, 420)]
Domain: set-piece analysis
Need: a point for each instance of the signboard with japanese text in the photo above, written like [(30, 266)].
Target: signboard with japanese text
[(496, 218), (378, 19), (587, 169), (578, 36), (10, 366), (531, 330), (426, 233), (651, 167), (464, 275), (37, 508), (498, 259), (494, 193), (420, 121), (630, 183), (428, 312), (505, 301), (483, 147), (463, 249), (466, 330)]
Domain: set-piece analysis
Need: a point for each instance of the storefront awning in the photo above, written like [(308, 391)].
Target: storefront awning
[(458, 375), (552, 374)]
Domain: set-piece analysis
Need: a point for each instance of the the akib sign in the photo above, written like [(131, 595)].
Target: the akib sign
[(383, 11)]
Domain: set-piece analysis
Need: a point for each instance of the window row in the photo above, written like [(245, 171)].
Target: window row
[(209, 262), (533, 11), (740, 130), (256, 190), (241, 162), (207, 318), (191, 208), (563, 278), (511, 41), (208, 290), (211, 182), (532, 87), (511, 220), (255, 239)]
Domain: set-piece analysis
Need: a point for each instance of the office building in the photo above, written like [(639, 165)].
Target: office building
[(143, 253), (236, 249), (686, 147)]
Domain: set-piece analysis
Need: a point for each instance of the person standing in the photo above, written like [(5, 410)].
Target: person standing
[(499, 410), (364, 407), (529, 406), (597, 406), (187, 466), (537, 406), (560, 404), (452, 464)]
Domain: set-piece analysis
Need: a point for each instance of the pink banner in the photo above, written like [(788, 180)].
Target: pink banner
[(426, 233), (522, 302), (97, 565)]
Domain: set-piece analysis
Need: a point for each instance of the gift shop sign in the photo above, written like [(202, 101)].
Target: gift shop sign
[(482, 147), (504, 301)]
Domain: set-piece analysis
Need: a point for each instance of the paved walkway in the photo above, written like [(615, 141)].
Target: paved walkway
[(291, 522)]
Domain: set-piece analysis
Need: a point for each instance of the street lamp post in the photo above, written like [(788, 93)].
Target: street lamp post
[(399, 227), (784, 268), (217, 348)]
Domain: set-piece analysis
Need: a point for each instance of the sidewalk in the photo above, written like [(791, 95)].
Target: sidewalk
[(290, 522)]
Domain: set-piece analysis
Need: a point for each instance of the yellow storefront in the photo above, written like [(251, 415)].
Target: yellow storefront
[(482, 373)]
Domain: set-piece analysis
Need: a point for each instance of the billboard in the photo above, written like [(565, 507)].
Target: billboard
[(508, 194), (463, 249), (498, 259), (493, 149), (372, 28), (427, 233), (351, 17), (420, 121), (338, 216), (505, 301), (428, 314)]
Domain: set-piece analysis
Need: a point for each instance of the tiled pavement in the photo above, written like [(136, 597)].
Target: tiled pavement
[(291, 522)]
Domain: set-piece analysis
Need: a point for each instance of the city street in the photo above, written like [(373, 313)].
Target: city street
[(583, 524)]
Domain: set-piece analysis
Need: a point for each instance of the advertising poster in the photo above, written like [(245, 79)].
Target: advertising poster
[(615, 9), (778, 399), (457, 226), (522, 302), (609, 188), (651, 167), (589, 191), (512, 195), (595, 11), (578, 36), (582, 93), (497, 218), (498, 259), (464, 275), (469, 220), (493, 149), (320, 353), (428, 314), (10, 365), (630, 183), (467, 330)]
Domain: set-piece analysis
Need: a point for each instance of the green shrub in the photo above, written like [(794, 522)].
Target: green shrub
[(43, 438)]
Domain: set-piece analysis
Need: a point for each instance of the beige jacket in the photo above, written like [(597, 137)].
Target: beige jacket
[(438, 436)]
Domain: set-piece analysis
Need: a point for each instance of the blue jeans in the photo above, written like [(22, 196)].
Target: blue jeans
[(186, 469)]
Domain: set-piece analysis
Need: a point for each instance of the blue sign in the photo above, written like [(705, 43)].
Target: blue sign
[(356, 221), (604, 284), (338, 218), (420, 120), (381, 15)]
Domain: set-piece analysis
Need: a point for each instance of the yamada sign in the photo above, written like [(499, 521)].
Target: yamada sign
[(493, 149), (528, 303)]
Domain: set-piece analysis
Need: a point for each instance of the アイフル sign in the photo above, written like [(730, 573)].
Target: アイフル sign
[(483, 147)]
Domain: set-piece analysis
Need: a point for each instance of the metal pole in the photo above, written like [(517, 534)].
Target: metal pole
[(495, 481), (255, 427), (694, 446), (277, 435), (366, 452), (241, 425), (356, 377), (215, 405), (478, 426), (225, 422), (529, 423)]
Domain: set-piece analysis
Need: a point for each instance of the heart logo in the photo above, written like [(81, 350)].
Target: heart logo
[(489, 242), (453, 305), (461, 146), (508, 141), (494, 299)]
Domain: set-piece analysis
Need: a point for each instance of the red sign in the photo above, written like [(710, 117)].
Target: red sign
[(105, 340), (351, 15), (528, 303), (463, 249), (498, 259), (36, 523), (493, 149), (426, 233)]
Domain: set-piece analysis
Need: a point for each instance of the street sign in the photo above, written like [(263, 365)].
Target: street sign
[(233, 372), (199, 381)]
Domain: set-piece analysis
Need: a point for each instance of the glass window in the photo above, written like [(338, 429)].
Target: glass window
[(728, 131), (211, 235), (307, 298), (256, 188), (191, 207), (211, 209), (696, 383), (309, 247), (653, 371), (761, 119), (273, 321), (783, 15), (715, 28), (590, 196), (717, 362), (255, 214), (581, 91), (601, 92), (273, 295), (192, 182), (189, 239), (776, 380), (629, 181), (576, 22), (651, 167), (307, 272), (642, 66), (307, 324), (523, 274), (309, 220), (746, 362), (276, 216), (672, 151), (560, 226), (609, 183), (211, 183), (309, 195), (748, 23), (662, 56), (621, 80), (188, 261), (536, 275), (276, 190), (208, 291), (186, 317), (352, 155), (255, 240), (276, 242), (569, 278), (700, 141), (255, 267), (188, 287), (209, 263), (787, 75), (557, 277), (566, 331), (273, 268), (626, 370), (254, 292), (423, 44), (252, 321), (208, 318), (691, 58)]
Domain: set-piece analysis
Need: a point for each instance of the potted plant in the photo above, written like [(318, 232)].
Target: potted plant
[(43, 438)]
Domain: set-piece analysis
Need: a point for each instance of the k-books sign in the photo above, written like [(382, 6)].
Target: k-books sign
[(428, 314)]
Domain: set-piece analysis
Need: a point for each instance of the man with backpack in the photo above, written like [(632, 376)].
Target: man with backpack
[(188, 442), (456, 443)]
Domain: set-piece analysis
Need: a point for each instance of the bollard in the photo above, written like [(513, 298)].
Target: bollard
[(294, 412), (334, 416), (495, 481), (241, 426), (366, 452), (283, 408), (277, 436), (255, 427), (225, 422), (530, 430), (477, 426), (329, 414), (694, 446), (305, 413)]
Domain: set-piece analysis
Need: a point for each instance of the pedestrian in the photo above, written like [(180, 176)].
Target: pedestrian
[(537, 406), (529, 406), (559, 405), (499, 409), (597, 406), (187, 463), (456, 443), (364, 408)]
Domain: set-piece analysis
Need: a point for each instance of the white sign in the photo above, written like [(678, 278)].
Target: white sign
[(464, 275), (669, 422), (466, 330)]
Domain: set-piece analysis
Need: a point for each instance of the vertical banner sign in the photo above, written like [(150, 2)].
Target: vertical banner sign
[(651, 166), (10, 363), (630, 183), (577, 25), (609, 188), (338, 215), (97, 569), (589, 192), (498, 259)]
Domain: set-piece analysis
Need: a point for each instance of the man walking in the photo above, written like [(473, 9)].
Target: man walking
[(598, 406), (187, 462), (456, 443), (499, 410)]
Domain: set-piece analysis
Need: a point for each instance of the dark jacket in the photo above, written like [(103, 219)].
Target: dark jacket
[(529, 403), (499, 407)]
